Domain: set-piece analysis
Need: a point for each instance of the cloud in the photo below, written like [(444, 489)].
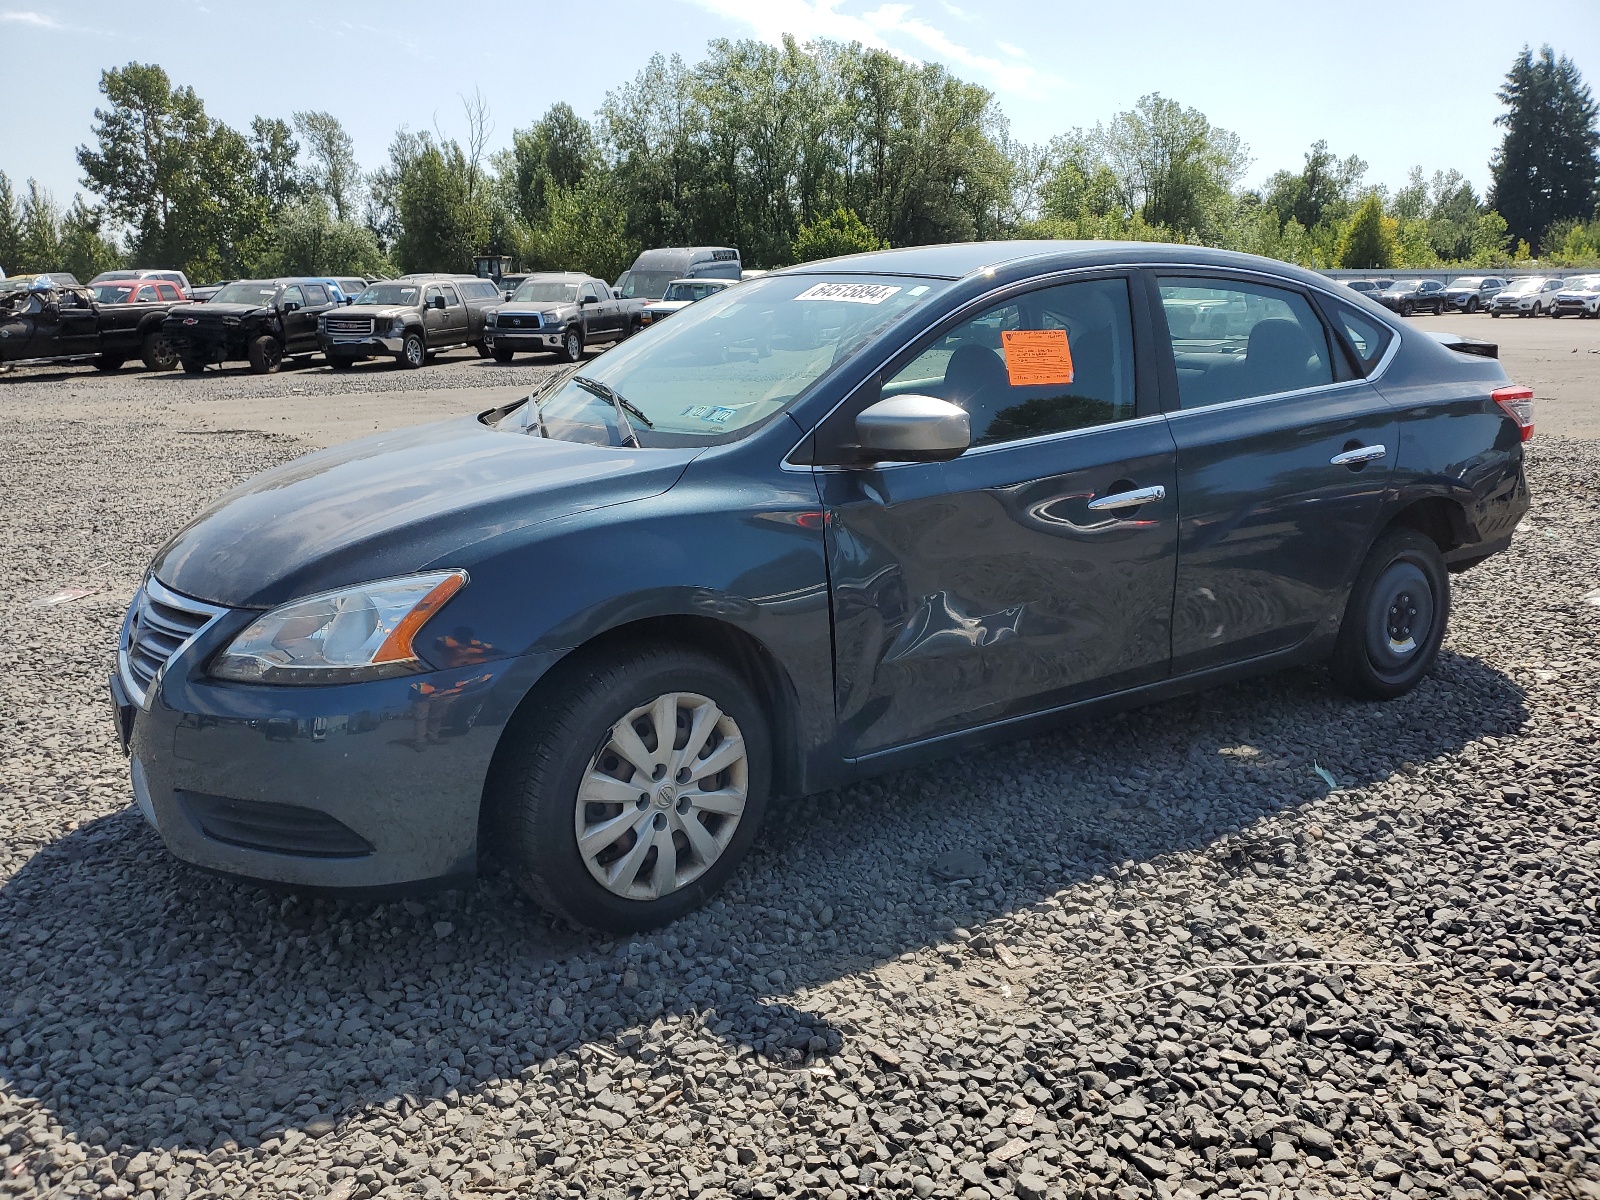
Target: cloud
[(891, 27), (1013, 51), (36, 20)]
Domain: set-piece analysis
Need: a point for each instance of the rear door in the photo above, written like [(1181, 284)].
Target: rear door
[(1010, 580), (1284, 454)]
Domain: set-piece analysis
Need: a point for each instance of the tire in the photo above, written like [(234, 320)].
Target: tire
[(157, 352), (340, 362), (1407, 308), (1438, 309), (1538, 309), (1495, 313), (266, 356), (1395, 618), (1472, 304), (1555, 314), (108, 363), (563, 741), (571, 345), (193, 366), (503, 356), (483, 351), (413, 351)]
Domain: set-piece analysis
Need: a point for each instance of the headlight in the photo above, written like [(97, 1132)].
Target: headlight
[(397, 326), (343, 636)]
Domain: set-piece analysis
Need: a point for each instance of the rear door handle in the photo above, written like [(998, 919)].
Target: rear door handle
[(1128, 499), (1361, 454)]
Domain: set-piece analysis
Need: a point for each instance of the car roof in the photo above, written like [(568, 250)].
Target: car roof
[(960, 259)]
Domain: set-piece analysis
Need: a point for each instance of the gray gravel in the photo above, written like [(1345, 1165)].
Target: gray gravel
[(1176, 962)]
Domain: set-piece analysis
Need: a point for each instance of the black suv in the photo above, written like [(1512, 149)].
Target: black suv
[(262, 321)]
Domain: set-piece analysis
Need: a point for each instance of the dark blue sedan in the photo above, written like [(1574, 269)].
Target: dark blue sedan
[(835, 520)]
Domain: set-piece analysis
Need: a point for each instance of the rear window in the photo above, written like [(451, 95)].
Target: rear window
[(1367, 337)]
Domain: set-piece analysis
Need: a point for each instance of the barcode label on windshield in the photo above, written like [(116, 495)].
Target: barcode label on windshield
[(849, 293)]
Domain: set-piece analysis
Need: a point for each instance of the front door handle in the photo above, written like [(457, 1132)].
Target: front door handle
[(1361, 454), (1128, 499)]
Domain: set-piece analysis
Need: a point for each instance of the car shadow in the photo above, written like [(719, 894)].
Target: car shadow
[(143, 1002)]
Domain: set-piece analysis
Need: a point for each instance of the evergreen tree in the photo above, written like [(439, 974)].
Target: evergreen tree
[(1548, 165), (333, 170), (1370, 241), (10, 228)]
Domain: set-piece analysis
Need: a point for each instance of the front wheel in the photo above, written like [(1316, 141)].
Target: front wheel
[(1472, 304), (1407, 308), (1495, 313), (572, 345), (108, 363), (266, 356), (483, 351), (502, 355), (626, 794), (413, 351), (157, 352), (1395, 618)]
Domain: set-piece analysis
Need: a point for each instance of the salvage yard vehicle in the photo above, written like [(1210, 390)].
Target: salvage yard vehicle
[(679, 295), (561, 311), (177, 278), (846, 517), (44, 319), (653, 270), (1472, 292), (1408, 295), (262, 321), (1578, 297), (1530, 296), (409, 319)]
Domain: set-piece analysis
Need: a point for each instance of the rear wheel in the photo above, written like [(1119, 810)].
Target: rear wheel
[(626, 795), (266, 356), (1395, 618), (157, 352)]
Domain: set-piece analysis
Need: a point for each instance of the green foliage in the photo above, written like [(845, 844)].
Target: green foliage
[(85, 249), (1370, 241), (10, 228), (184, 183), (556, 152), (35, 236), (1548, 165), (40, 230), (277, 156), (1323, 191), (840, 232), (585, 229), (332, 171), (307, 239), (1489, 241), (442, 216)]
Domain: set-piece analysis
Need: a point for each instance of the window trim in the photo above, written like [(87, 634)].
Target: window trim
[(1146, 392), (447, 290)]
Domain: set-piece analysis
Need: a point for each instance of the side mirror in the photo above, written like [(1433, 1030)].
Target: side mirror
[(438, 302), (290, 306), (913, 429), (589, 300)]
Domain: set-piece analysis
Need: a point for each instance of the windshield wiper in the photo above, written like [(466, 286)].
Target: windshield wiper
[(624, 410)]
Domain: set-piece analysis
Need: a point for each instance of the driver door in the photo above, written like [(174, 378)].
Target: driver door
[(1003, 583), (435, 318)]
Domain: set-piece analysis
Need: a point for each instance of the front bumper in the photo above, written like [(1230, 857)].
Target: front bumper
[(522, 339), (359, 347), (358, 786), (1577, 307), (199, 344)]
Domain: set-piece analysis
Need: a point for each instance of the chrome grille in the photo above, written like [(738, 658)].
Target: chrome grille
[(349, 326), (518, 321), (159, 623)]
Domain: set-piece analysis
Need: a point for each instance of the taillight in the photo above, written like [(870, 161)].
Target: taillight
[(1516, 403)]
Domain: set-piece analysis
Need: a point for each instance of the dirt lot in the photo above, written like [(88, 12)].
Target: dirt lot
[(1261, 942)]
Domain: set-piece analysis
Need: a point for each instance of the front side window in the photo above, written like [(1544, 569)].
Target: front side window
[(1049, 361), (292, 295), (588, 293), (430, 296), (1232, 340), (726, 364), (147, 294)]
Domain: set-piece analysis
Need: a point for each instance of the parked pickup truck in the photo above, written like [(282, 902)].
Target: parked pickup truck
[(409, 319), (262, 321), (560, 311), (54, 319)]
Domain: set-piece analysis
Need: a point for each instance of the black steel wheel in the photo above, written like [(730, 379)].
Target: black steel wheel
[(1395, 618)]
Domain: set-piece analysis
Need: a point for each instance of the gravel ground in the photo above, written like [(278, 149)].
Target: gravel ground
[(1175, 958)]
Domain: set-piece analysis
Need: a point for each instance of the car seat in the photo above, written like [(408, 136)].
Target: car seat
[(975, 378), (1278, 359)]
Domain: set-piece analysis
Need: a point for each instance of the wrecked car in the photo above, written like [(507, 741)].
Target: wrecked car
[(52, 319), (845, 517), (262, 321)]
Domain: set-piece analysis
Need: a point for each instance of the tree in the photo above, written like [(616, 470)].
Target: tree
[(308, 240), (1320, 192), (40, 230), (441, 225), (86, 250), (557, 151), (585, 228), (10, 227), (1370, 240), (840, 232), (277, 162), (1548, 164), (1174, 166), (183, 182), (333, 170)]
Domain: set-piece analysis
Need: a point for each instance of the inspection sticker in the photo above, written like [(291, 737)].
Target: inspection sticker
[(1037, 356), (708, 412), (849, 293)]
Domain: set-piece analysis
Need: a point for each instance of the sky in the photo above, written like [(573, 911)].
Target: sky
[(1398, 83)]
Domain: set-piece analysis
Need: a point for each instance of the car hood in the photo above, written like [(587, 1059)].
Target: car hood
[(381, 312), (668, 305), (394, 504), (213, 310), (533, 306)]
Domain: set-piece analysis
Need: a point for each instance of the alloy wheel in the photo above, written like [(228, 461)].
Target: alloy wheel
[(662, 797)]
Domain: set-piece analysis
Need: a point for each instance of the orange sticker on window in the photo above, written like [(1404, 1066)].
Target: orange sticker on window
[(1037, 356)]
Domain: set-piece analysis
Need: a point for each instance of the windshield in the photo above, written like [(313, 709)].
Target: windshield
[(645, 285), (685, 290), (1523, 286), (545, 291), (114, 293), (725, 364), (390, 293), (258, 294), (1584, 283), (1471, 283)]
